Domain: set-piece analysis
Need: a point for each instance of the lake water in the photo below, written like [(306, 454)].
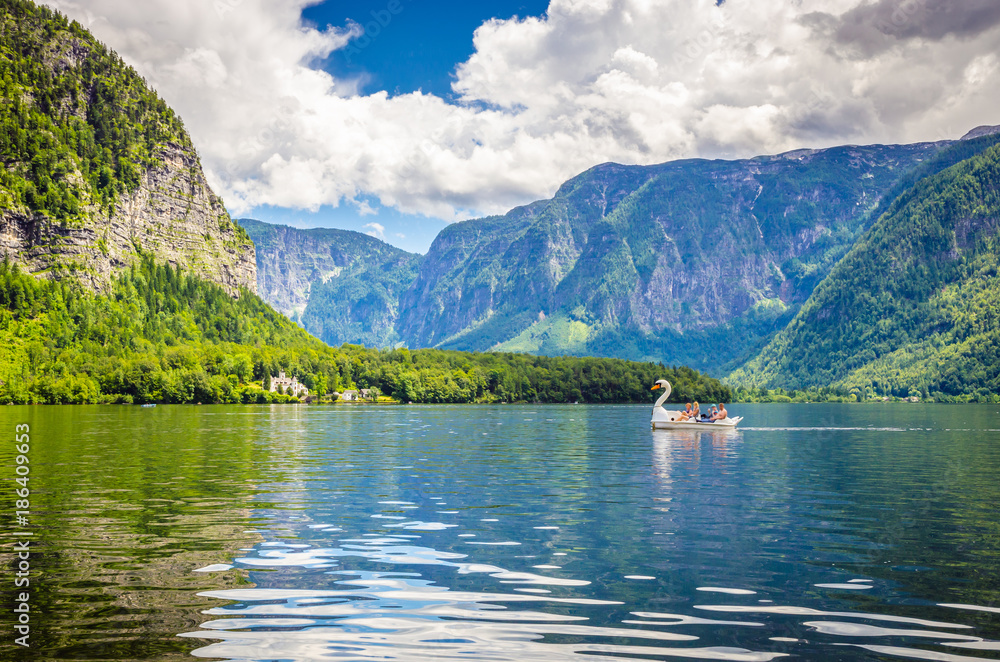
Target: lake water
[(520, 533)]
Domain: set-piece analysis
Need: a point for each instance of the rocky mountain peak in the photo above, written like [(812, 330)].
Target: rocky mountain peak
[(981, 131)]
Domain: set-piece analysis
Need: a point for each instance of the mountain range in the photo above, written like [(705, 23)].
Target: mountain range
[(869, 269), (693, 262), (124, 280)]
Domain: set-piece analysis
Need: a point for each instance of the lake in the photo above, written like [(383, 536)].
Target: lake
[(516, 533)]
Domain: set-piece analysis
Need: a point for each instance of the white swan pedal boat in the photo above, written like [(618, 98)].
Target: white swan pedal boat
[(671, 420)]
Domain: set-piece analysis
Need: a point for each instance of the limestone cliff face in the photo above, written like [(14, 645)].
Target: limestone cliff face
[(173, 214), (650, 262), (510, 264), (97, 169), (342, 286), (290, 260)]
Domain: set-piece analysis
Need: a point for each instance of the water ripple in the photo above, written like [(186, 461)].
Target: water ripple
[(402, 618)]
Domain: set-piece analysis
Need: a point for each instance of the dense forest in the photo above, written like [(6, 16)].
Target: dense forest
[(162, 335), (914, 309), (78, 127)]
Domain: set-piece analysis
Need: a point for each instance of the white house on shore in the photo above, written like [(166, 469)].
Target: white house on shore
[(290, 386), (352, 395)]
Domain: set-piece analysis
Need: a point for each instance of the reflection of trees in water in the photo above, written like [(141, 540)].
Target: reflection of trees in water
[(126, 504), (922, 507)]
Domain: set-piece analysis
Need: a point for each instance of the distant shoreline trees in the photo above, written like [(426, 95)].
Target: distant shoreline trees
[(160, 335)]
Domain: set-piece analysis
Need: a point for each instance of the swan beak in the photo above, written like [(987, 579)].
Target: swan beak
[(655, 386)]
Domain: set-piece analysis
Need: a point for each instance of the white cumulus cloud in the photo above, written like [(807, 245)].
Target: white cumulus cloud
[(376, 230), (543, 98)]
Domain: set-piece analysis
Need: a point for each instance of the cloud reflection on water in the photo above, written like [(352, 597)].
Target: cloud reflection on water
[(738, 515), (403, 616), (386, 616)]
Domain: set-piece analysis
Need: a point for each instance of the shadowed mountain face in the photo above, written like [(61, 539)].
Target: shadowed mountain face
[(342, 286), (691, 262), (695, 262)]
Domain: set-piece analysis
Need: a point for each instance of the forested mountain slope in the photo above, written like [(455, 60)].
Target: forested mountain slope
[(693, 262), (162, 335), (97, 169), (914, 308)]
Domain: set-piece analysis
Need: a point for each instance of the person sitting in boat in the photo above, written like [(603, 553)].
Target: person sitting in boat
[(710, 416), (686, 414), (721, 414), (695, 411)]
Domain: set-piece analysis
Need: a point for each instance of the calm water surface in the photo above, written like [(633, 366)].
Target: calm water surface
[(520, 533)]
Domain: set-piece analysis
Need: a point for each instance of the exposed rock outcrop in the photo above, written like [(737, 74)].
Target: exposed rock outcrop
[(980, 131), (342, 286), (97, 169), (173, 214)]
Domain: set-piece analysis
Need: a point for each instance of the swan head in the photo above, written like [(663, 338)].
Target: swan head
[(662, 383)]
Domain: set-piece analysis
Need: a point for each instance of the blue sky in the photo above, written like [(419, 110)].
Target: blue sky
[(408, 45), (440, 114), (416, 48)]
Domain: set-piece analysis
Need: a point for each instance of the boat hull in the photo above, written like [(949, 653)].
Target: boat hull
[(725, 424)]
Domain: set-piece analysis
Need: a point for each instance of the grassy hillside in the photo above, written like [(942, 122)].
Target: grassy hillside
[(161, 335), (914, 308)]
